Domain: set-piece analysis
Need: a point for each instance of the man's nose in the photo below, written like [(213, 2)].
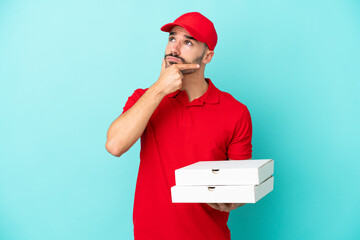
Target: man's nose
[(175, 49)]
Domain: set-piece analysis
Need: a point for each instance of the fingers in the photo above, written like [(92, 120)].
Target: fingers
[(184, 66), (225, 207), (181, 66), (236, 205), (214, 205)]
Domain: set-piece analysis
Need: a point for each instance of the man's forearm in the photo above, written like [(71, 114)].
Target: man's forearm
[(128, 127)]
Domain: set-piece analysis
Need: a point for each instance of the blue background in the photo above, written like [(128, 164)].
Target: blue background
[(68, 67)]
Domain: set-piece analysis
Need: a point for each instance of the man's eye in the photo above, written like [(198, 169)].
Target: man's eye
[(171, 39), (188, 43)]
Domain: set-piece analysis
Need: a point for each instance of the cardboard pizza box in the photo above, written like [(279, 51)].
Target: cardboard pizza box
[(227, 172), (222, 194)]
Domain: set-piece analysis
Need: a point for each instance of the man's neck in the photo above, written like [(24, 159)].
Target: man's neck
[(195, 85)]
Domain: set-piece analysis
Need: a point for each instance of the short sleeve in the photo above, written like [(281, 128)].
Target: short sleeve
[(240, 147), (133, 99)]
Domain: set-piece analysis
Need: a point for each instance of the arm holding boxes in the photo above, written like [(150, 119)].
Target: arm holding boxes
[(239, 148)]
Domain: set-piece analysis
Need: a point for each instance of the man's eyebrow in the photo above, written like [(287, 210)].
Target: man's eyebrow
[(188, 37)]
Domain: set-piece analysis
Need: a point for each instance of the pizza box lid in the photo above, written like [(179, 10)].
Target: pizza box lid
[(225, 172)]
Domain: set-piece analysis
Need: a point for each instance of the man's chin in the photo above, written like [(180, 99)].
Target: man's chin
[(168, 64), (184, 72), (188, 71)]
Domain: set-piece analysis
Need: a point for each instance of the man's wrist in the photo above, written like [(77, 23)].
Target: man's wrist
[(155, 92)]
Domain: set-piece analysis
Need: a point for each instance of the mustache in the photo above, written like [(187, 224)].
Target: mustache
[(174, 56)]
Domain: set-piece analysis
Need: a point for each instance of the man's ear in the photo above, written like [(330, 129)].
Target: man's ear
[(208, 56)]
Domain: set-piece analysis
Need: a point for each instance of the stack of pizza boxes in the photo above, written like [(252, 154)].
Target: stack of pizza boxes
[(229, 181)]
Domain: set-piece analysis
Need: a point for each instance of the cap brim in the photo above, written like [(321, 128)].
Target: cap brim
[(167, 27), (192, 32)]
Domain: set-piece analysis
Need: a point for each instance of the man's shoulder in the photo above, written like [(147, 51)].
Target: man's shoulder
[(229, 100)]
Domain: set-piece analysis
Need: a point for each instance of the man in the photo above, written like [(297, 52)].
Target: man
[(181, 119)]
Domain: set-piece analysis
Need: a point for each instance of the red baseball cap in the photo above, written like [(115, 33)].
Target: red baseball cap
[(199, 27)]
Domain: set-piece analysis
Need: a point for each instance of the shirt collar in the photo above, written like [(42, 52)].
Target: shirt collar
[(210, 96)]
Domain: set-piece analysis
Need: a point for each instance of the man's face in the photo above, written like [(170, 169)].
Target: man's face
[(183, 48)]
